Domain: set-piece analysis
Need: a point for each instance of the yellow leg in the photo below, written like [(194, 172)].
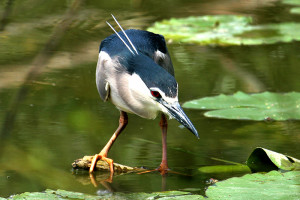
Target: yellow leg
[(163, 167), (103, 154)]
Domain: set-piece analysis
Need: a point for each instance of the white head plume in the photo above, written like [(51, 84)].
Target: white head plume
[(131, 44)]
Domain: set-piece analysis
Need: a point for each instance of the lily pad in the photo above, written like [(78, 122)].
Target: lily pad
[(264, 160), (63, 194), (295, 10), (35, 196), (222, 169), (261, 106), (159, 195), (291, 2), (273, 185), (225, 30)]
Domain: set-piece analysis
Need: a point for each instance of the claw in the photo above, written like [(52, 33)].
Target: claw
[(101, 157), (162, 169)]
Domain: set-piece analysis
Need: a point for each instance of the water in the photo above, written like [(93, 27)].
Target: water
[(62, 118)]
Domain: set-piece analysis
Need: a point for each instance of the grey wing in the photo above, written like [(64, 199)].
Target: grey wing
[(161, 55), (101, 75), (164, 60)]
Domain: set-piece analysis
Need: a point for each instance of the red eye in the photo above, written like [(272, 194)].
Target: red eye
[(155, 94)]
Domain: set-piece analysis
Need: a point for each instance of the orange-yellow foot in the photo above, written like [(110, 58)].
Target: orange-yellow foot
[(162, 169), (102, 157)]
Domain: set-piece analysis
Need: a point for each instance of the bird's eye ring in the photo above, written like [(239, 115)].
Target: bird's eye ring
[(155, 94)]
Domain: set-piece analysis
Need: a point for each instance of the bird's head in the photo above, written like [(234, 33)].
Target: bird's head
[(171, 107), (152, 83)]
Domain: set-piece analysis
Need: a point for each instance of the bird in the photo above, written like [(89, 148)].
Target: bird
[(135, 73)]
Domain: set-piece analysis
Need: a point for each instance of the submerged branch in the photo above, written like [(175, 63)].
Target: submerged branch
[(85, 163)]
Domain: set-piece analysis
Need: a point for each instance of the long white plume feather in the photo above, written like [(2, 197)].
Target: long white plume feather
[(120, 37), (125, 34)]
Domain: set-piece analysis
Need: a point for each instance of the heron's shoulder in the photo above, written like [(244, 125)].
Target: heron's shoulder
[(144, 41)]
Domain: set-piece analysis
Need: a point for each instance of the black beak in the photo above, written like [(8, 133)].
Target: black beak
[(176, 111)]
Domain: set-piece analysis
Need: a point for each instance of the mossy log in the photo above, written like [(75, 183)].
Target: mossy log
[(85, 163)]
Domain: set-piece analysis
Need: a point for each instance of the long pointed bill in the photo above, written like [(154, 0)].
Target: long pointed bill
[(176, 111)]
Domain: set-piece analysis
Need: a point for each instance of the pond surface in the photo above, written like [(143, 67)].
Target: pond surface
[(62, 117)]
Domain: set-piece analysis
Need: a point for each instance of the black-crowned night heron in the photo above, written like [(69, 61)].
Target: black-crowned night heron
[(135, 72)]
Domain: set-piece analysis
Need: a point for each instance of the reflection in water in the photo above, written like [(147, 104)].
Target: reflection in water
[(101, 179), (39, 61), (106, 182)]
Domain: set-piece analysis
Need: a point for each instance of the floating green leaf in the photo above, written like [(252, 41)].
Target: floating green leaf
[(71, 195), (264, 160), (295, 10), (35, 196), (273, 185), (291, 2), (225, 169), (184, 197), (55, 194), (159, 195), (63, 194), (225, 30), (261, 106)]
